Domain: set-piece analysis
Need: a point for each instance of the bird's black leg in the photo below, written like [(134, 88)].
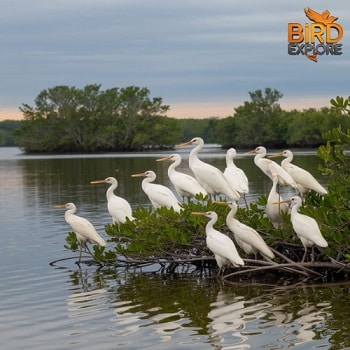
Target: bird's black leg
[(245, 201), (304, 256)]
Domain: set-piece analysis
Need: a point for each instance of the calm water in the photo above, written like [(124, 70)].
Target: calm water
[(64, 307)]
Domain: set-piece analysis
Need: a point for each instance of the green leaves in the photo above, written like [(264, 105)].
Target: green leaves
[(341, 103)]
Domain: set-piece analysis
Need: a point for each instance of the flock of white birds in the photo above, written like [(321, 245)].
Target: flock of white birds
[(210, 181)]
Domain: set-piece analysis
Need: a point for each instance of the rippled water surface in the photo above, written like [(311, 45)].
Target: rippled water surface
[(66, 307)]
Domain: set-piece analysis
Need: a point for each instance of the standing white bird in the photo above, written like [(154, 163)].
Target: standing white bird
[(305, 181), (246, 237), (273, 211), (118, 207), (210, 177), (221, 246), (185, 185), (305, 227), (159, 195), (83, 229), (236, 176), (268, 167)]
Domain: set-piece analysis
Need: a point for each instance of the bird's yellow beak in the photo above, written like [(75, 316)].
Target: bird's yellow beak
[(221, 202), (280, 154), (188, 143), (138, 175), (281, 202), (59, 206), (163, 159), (202, 213), (97, 182)]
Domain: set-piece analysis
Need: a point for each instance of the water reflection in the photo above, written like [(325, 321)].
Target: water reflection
[(182, 311)]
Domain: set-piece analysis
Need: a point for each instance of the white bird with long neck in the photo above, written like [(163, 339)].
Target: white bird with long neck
[(118, 207), (185, 185), (246, 237), (273, 211), (159, 195), (305, 181), (219, 244), (305, 227), (234, 175), (83, 229), (210, 177), (269, 167)]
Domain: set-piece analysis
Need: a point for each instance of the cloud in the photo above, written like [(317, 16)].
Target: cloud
[(187, 52)]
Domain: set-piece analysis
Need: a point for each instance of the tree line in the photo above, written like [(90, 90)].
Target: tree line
[(68, 119)]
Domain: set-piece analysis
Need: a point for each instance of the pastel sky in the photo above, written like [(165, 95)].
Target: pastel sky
[(203, 57)]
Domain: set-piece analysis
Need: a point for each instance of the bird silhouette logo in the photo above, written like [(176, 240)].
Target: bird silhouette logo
[(320, 37), (323, 17), (316, 17)]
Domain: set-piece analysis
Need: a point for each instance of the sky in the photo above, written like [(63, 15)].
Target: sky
[(202, 57)]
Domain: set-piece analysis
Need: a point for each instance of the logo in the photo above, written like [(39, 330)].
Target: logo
[(320, 37)]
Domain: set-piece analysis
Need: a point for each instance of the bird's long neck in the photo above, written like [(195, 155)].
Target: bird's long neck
[(194, 154), (295, 209), (229, 160), (287, 160), (146, 181), (69, 213), (110, 190), (211, 224), (258, 157), (174, 165)]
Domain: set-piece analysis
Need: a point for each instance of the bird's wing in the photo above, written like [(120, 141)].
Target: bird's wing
[(213, 180), (85, 229), (222, 245), (237, 178), (251, 237), (162, 195), (304, 178), (307, 227), (313, 15), (186, 183), (119, 208), (283, 176)]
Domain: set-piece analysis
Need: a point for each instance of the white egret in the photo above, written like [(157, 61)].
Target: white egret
[(210, 177), (185, 185), (305, 181), (236, 176), (118, 207), (273, 212), (246, 237), (268, 167), (159, 195), (305, 227), (83, 229), (220, 245)]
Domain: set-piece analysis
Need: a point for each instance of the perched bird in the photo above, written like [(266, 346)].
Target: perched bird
[(159, 195), (83, 229), (273, 212), (210, 177), (269, 167), (305, 181), (185, 185), (246, 237), (221, 246), (118, 207), (236, 176), (305, 227)]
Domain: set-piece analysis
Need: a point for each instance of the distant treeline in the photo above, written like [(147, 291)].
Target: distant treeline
[(67, 119)]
